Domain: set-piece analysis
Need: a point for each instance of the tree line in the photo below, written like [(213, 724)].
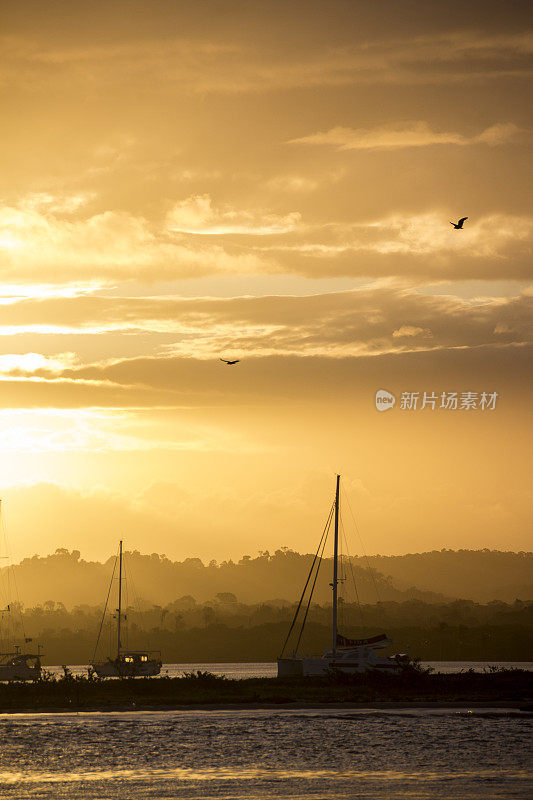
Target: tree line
[(433, 577), (224, 629)]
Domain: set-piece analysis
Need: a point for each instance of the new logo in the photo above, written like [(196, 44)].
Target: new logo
[(384, 400)]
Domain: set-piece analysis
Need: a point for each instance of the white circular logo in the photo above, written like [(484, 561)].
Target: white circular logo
[(384, 400)]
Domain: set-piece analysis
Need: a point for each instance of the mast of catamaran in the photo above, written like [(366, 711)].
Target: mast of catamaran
[(335, 559), (119, 601)]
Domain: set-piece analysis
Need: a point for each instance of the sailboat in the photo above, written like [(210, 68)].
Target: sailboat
[(126, 663), (18, 666), (346, 655), (15, 664)]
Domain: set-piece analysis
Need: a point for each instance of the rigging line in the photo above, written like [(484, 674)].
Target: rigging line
[(360, 607), (363, 548), (124, 604), (311, 594), (324, 533), (347, 557), (341, 616), (129, 589), (326, 528), (135, 599), (12, 582), (19, 604), (105, 608)]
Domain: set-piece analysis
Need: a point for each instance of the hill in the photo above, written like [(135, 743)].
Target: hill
[(478, 575)]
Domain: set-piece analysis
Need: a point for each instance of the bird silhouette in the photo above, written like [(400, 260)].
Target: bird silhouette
[(225, 360), (459, 225)]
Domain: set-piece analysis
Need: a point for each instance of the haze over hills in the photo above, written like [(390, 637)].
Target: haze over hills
[(432, 577), (481, 575)]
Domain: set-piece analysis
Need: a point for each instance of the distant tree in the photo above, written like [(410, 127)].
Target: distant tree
[(226, 597), (184, 603), (193, 562)]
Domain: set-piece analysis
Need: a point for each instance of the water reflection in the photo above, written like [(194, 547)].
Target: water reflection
[(221, 774), (266, 754)]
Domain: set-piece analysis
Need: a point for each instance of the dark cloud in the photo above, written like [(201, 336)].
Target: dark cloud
[(366, 321), (181, 383)]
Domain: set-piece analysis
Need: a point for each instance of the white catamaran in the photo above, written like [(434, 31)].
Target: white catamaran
[(127, 663), (346, 655), (15, 663)]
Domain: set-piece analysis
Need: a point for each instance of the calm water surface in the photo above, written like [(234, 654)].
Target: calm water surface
[(266, 754), (413, 755)]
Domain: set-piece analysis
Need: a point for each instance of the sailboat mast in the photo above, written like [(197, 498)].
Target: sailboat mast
[(119, 600), (335, 565)]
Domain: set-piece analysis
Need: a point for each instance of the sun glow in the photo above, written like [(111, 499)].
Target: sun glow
[(15, 292), (276, 193), (9, 242), (30, 362)]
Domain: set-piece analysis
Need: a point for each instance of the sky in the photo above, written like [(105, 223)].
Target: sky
[(270, 182)]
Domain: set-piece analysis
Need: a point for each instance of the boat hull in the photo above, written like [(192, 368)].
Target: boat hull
[(21, 668), (290, 667), (351, 662), (122, 669)]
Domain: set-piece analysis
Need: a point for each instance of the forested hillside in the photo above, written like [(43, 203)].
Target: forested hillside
[(481, 575), (66, 578)]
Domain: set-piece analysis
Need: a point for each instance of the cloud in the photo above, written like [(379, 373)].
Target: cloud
[(229, 65), (56, 204), (197, 215), (197, 239), (213, 522), (491, 236), (418, 244), (292, 183), (107, 246), (374, 320), (17, 363), (411, 330), (382, 335), (178, 390), (112, 245), (498, 134), (364, 322), (406, 134), (104, 430), (99, 513)]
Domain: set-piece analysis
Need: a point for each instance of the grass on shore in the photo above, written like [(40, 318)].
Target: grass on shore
[(70, 692)]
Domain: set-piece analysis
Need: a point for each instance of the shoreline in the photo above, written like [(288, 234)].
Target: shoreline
[(383, 705), (195, 665), (203, 691)]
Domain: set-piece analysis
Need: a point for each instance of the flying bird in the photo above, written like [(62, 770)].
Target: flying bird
[(225, 360), (459, 225)]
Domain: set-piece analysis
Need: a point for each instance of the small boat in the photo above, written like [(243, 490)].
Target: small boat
[(346, 655), (15, 664), (130, 664), (126, 663)]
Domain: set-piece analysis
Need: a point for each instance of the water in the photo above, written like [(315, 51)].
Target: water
[(298, 754), (268, 669)]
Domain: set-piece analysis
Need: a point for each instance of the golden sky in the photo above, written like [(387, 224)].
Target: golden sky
[(271, 182)]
